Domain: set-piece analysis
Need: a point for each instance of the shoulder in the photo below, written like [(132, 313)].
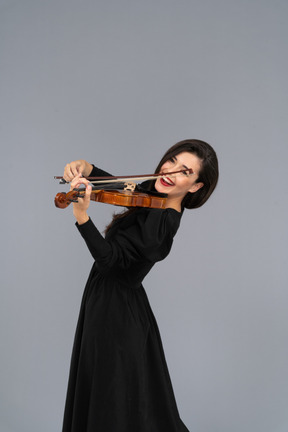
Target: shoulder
[(148, 232), (161, 219), (156, 226)]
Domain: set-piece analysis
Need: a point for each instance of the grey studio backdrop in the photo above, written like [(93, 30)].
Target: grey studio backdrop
[(117, 83)]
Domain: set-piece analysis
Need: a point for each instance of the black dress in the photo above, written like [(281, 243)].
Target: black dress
[(119, 381)]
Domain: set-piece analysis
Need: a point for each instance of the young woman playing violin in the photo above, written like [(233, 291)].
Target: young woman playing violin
[(119, 380)]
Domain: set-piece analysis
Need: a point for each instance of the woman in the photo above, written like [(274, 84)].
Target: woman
[(119, 381)]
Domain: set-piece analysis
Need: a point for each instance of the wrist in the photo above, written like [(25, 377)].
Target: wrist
[(88, 169), (81, 218)]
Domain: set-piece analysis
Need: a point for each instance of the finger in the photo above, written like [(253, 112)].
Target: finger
[(75, 170), (87, 196), (68, 173), (71, 170), (77, 181), (88, 191)]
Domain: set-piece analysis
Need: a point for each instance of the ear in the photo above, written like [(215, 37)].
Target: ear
[(196, 187)]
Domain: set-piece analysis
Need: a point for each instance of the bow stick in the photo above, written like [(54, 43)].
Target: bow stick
[(112, 179)]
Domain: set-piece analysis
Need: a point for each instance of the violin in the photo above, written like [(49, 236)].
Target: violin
[(126, 198)]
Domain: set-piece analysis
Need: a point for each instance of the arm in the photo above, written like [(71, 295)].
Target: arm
[(146, 235)]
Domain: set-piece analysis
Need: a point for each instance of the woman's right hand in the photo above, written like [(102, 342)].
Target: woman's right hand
[(75, 168)]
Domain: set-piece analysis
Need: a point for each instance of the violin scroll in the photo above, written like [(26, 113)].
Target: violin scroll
[(62, 199)]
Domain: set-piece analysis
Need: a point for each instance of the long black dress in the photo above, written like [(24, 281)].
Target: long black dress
[(119, 380)]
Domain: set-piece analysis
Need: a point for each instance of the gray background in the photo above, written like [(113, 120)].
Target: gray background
[(117, 83)]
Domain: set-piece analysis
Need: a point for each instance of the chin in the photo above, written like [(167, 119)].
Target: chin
[(161, 189)]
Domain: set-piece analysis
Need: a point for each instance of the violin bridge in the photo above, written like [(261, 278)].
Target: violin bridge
[(129, 186)]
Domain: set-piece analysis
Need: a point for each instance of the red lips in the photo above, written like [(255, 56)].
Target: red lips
[(164, 183)]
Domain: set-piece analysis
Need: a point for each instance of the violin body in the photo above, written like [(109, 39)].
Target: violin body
[(123, 199)]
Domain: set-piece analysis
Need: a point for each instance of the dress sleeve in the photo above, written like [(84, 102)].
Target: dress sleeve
[(97, 172), (142, 236)]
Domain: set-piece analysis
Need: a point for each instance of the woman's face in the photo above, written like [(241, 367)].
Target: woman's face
[(176, 186)]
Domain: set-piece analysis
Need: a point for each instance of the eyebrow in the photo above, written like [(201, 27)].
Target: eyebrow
[(185, 167), (189, 169)]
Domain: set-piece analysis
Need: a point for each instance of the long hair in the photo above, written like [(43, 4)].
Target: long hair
[(208, 174)]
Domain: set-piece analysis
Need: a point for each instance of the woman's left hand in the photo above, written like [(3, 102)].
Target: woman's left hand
[(80, 208)]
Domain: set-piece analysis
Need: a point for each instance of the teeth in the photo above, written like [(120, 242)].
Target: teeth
[(168, 181)]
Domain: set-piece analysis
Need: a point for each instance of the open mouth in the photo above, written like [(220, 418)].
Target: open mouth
[(165, 181)]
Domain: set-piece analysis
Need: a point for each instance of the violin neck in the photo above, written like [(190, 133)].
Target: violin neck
[(109, 186), (104, 186)]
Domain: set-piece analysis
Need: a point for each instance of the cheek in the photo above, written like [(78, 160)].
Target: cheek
[(187, 183), (166, 166)]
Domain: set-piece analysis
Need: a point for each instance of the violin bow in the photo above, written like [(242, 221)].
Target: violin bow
[(114, 179)]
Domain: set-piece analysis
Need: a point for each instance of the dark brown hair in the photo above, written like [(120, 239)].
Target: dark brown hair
[(208, 174)]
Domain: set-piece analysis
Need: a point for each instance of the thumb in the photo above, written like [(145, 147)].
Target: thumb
[(88, 191)]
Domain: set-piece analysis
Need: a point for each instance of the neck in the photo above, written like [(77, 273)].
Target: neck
[(174, 204)]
